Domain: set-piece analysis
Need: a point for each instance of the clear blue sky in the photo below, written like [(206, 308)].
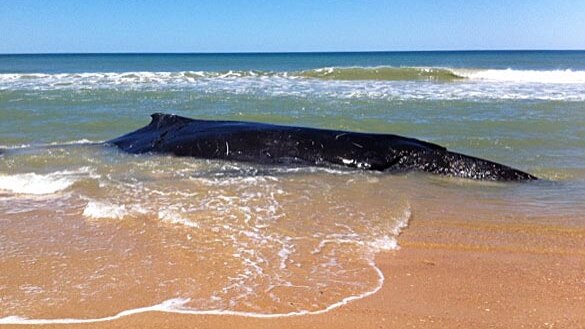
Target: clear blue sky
[(40, 26)]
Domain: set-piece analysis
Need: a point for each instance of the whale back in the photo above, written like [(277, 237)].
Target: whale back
[(276, 144)]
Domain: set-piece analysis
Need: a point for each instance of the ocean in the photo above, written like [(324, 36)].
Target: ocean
[(89, 233)]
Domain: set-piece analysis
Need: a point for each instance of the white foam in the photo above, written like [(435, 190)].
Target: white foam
[(10, 147), (113, 79), (389, 242), (97, 209), (284, 254), (511, 75), (32, 183), (82, 141), (480, 84), (174, 217)]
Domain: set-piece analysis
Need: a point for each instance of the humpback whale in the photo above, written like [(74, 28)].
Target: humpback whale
[(271, 144)]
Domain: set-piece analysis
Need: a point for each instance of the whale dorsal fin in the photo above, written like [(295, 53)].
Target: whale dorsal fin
[(160, 120)]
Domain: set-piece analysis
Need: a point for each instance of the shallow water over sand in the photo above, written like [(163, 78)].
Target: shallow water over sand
[(226, 238), (104, 232)]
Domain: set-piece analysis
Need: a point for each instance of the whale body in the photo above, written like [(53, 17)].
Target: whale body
[(270, 144)]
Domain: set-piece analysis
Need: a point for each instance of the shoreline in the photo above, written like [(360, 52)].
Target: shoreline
[(445, 275)]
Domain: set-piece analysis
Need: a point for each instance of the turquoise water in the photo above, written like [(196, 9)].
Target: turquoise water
[(525, 109)]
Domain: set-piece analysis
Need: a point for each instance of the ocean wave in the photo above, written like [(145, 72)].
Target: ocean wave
[(338, 83), (384, 73), (377, 73), (445, 74), (523, 76), (38, 184), (117, 79)]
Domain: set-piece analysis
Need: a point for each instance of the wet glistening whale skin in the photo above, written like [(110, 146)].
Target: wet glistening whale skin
[(286, 145)]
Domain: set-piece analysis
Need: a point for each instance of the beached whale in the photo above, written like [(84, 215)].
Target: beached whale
[(286, 145)]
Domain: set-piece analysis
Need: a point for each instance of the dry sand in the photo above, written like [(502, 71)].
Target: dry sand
[(448, 274)]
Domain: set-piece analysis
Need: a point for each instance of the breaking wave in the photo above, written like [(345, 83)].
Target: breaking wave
[(383, 73), (380, 73), (524, 76), (388, 83)]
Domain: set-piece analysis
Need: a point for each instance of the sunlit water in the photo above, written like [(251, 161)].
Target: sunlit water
[(88, 232)]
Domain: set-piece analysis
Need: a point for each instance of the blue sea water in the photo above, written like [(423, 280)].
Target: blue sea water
[(525, 109), (81, 63)]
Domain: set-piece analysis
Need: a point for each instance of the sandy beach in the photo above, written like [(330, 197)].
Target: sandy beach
[(447, 274)]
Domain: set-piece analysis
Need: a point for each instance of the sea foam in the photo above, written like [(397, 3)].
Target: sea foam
[(33, 183), (96, 209), (410, 83), (525, 76)]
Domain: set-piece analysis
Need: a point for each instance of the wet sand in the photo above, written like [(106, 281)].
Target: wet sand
[(448, 274)]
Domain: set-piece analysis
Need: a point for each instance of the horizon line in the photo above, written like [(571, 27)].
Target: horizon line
[(287, 52)]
